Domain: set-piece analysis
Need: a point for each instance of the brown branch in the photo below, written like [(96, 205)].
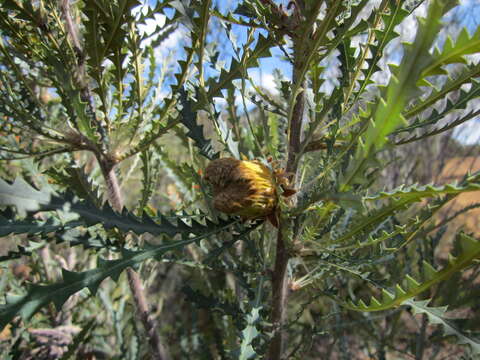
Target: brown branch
[(294, 141), (80, 75), (143, 310), (280, 289), (279, 299), (321, 144), (113, 188), (71, 27)]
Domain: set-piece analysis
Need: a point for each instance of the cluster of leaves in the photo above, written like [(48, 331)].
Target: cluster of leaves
[(95, 114)]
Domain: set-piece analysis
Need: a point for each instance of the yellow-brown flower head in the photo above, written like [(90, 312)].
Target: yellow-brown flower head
[(244, 188)]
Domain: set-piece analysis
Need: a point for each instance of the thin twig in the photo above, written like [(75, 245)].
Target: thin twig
[(143, 311), (420, 345)]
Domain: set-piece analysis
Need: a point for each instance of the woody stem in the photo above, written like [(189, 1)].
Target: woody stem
[(134, 281), (280, 290)]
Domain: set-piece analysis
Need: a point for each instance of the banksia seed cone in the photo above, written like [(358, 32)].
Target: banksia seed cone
[(244, 188)]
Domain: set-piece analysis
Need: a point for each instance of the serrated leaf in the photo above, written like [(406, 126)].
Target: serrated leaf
[(417, 192), (460, 103), (188, 117), (453, 52), (469, 251), (31, 227), (436, 316), (24, 197), (394, 15), (387, 115), (77, 181), (211, 302), (467, 117), (372, 240), (262, 49), (250, 332), (150, 168), (467, 75), (71, 97), (39, 296), (21, 251)]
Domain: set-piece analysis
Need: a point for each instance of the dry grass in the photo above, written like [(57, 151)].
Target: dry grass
[(454, 170)]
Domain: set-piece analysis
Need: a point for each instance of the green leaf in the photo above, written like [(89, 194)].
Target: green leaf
[(211, 302), (469, 252), (385, 115), (388, 114), (25, 198), (39, 296), (467, 75), (188, 117), (347, 60), (403, 197), (392, 16), (32, 227), (21, 251), (467, 117), (416, 193), (94, 44), (150, 169), (71, 97), (262, 49), (459, 104), (453, 52), (250, 332), (77, 180), (436, 315), (163, 123), (373, 240)]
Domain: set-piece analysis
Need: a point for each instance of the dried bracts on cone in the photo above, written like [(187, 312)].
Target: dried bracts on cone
[(245, 188)]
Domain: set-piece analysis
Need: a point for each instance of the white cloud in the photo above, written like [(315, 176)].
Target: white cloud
[(468, 133), (408, 27), (170, 44), (221, 102), (263, 80), (151, 24)]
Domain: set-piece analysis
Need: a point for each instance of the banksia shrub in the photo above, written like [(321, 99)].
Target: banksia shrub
[(135, 156)]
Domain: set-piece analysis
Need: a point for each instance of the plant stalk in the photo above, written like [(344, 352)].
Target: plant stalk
[(279, 299), (143, 312), (114, 195), (280, 289)]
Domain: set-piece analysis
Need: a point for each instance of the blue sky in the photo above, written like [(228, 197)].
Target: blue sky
[(467, 15)]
